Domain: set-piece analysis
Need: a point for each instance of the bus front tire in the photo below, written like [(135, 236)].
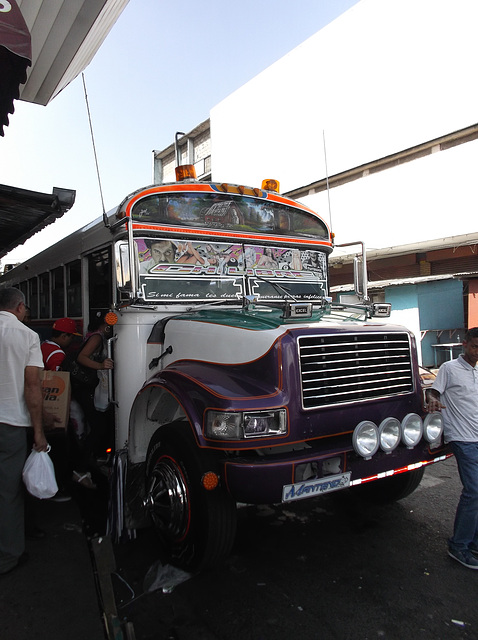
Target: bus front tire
[(197, 527)]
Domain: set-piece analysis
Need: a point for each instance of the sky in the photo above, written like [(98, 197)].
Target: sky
[(161, 69)]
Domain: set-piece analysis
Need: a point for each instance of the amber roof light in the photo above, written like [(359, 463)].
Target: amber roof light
[(185, 172), (271, 185)]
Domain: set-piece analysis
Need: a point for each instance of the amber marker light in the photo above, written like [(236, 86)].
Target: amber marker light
[(185, 172), (210, 480), (111, 318), (271, 185)]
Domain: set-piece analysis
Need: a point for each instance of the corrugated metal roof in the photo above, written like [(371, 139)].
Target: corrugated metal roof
[(23, 213), (381, 284)]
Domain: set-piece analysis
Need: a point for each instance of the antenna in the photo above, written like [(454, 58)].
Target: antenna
[(105, 218), (327, 179)]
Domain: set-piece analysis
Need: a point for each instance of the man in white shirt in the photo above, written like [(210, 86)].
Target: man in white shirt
[(20, 406), (455, 393)]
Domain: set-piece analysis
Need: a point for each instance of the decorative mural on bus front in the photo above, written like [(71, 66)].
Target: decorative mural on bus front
[(204, 271)]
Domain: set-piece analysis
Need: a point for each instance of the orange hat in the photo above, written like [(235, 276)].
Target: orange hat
[(66, 325)]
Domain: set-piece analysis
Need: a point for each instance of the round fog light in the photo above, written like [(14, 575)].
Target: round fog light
[(433, 427), (412, 430), (365, 438), (389, 434)]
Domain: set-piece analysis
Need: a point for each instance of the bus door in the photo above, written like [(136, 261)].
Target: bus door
[(100, 289), (100, 301)]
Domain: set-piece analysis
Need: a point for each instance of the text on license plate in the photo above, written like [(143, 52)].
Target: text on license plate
[(311, 488)]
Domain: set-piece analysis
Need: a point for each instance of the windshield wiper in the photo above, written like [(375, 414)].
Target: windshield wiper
[(281, 289), (278, 287), (294, 309)]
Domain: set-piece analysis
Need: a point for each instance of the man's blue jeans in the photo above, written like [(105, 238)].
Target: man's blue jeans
[(465, 533)]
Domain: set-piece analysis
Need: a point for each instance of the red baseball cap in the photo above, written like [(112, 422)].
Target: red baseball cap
[(66, 325)]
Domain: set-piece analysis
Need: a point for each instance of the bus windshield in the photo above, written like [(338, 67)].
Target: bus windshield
[(185, 270), (228, 211)]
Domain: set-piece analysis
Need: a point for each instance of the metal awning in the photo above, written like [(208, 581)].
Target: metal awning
[(23, 213), (65, 35)]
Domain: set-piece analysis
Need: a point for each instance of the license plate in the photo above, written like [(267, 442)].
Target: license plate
[(312, 488)]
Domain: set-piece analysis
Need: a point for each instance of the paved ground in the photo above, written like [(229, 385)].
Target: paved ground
[(319, 569), (53, 596), (327, 568)]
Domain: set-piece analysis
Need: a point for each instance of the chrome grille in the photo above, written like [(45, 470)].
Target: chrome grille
[(341, 368)]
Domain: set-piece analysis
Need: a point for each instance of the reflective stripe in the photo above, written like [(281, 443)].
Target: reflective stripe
[(410, 467)]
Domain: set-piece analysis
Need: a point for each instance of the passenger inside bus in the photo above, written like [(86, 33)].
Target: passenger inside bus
[(92, 355), (65, 447)]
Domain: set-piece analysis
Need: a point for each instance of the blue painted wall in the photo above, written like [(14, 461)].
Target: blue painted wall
[(440, 305), (402, 297)]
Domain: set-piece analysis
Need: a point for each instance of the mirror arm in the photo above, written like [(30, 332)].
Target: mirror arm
[(133, 271), (360, 280)]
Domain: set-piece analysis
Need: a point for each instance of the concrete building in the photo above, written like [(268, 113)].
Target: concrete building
[(191, 148)]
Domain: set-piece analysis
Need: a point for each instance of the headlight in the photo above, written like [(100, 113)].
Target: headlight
[(365, 438), (389, 434), (265, 423), (412, 430), (223, 425), (433, 427)]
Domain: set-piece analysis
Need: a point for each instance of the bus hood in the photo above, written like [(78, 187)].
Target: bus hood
[(241, 336)]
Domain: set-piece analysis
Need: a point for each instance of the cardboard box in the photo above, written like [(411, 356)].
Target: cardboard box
[(56, 395)]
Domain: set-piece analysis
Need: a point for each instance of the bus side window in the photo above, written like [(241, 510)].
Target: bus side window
[(73, 284), (33, 286), (44, 281), (58, 292)]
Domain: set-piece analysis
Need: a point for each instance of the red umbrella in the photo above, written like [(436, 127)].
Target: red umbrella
[(15, 57)]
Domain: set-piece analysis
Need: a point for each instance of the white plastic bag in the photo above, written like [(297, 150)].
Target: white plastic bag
[(101, 391), (39, 475), (163, 577)]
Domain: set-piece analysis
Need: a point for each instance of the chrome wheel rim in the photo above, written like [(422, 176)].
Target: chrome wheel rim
[(168, 499)]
